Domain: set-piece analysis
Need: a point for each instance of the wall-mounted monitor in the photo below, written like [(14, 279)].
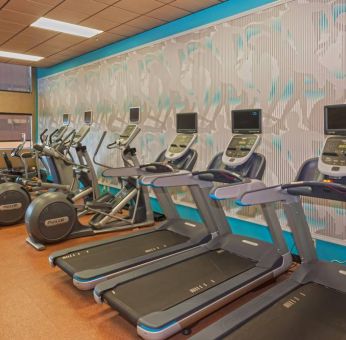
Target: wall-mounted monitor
[(66, 119), (88, 117), (187, 122), (247, 121), (335, 119), (134, 114)]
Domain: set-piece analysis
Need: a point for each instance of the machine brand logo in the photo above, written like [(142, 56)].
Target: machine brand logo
[(11, 206), (190, 224), (250, 243), (294, 300), (56, 221), (202, 286)]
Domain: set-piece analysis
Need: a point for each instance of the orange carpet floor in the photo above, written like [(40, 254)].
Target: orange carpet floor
[(40, 302)]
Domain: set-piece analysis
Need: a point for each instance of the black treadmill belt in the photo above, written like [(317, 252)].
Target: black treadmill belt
[(172, 285), (311, 312), (118, 251)]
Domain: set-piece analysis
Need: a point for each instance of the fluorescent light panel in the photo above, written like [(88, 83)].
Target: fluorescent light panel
[(64, 27), (20, 56)]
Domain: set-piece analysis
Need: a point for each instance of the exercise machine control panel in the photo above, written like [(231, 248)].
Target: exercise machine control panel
[(128, 135), (239, 149), (180, 145), (332, 161), (85, 129)]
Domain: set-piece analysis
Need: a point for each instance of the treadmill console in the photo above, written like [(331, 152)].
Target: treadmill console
[(239, 149), (186, 124), (332, 162), (180, 145), (128, 135)]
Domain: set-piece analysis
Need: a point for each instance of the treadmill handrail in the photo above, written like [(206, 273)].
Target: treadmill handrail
[(179, 179), (326, 190), (290, 191), (233, 191), (136, 170), (266, 195), (204, 179)]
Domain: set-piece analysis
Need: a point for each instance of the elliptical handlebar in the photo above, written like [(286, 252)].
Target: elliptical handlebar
[(15, 151), (97, 151), (42, 138), (52, 135), (113, 145), (57, 154)]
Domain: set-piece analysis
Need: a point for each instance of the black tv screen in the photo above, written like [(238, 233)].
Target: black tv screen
[(88, 117), (134, 114), (66, 119), (187, 122), (247, 121), (335, 119)]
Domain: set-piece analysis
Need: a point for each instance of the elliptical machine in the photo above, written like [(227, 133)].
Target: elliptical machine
[(107, 218), (54, 217), (16, 197), (10, 174)]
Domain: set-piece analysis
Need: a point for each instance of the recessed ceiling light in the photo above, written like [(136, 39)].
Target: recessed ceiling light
[(19, 56), (64, 27)]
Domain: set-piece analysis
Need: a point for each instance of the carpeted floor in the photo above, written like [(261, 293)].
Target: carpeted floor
[(40, 302)]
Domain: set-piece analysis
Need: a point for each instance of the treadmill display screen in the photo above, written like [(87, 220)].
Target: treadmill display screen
[(246, 121), (335, 119), (66, 119), (134, 114), (187, 122), (88, 117)]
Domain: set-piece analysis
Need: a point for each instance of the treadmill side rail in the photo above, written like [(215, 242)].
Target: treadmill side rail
[(266, 195), (150, 180), (244, 313), (192, 310), (236, 190), (187, 179)]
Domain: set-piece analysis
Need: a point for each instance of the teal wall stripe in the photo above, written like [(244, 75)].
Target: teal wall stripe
[(203, 17)]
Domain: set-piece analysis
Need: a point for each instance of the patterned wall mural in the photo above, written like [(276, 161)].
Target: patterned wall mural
[(289, 60)]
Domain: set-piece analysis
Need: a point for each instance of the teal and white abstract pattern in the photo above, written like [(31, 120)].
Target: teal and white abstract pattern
[(289, 60)]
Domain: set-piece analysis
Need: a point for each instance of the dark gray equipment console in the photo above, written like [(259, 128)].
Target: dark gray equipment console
[(333, 159), (240, 149)]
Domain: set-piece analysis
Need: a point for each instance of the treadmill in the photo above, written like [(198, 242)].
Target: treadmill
[(311, 304), (91, 263), (167, 296)]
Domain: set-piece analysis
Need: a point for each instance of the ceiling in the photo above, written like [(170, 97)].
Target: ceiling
[(118, 19)]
